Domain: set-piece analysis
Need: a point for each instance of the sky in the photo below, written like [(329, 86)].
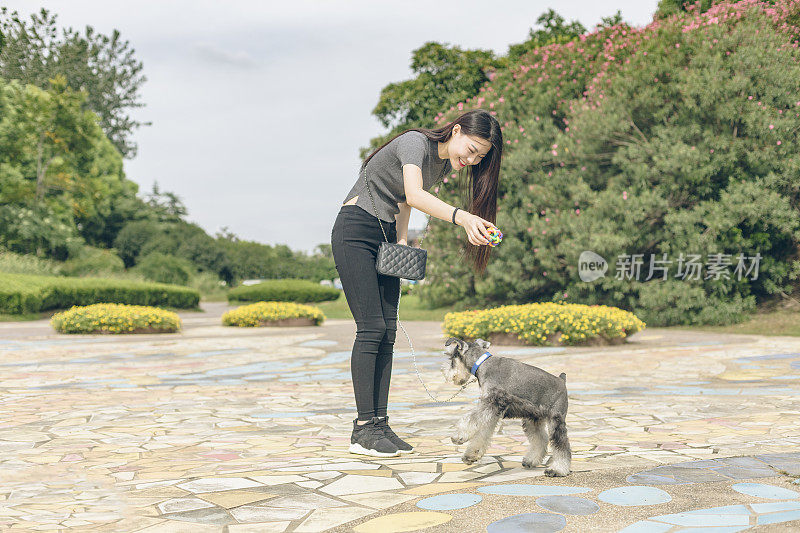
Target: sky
[(259, 108)]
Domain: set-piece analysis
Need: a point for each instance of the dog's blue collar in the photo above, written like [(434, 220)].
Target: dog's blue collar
[(479, 362)]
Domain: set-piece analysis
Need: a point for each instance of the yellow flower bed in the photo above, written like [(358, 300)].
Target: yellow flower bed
[(115, 318), (533, 323), (259, 313)]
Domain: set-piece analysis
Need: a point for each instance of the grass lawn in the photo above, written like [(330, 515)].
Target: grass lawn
[(410, 309), (778, 322)]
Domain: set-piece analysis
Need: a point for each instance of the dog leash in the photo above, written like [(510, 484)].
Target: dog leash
[(414, 358)]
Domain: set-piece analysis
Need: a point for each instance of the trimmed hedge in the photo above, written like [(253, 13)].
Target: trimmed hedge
[(545, 323), (116, 318), (24, 293), (262, 313), (284, 290)]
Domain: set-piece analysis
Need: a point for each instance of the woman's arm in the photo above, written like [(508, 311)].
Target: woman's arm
[(421, 199), (402, 222)]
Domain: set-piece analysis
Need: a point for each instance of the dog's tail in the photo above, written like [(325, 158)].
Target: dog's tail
[(563, 377)]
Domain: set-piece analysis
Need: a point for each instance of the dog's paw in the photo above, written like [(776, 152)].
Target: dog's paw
[(470, 458), (528, 464), (554, 473), (457, 439)]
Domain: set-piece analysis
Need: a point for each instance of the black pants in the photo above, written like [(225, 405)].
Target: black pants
[(372, 299)]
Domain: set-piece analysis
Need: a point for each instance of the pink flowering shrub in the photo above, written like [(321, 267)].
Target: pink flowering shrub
[(676, 138)]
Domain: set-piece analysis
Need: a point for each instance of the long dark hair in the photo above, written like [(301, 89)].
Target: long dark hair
[(480, 190)]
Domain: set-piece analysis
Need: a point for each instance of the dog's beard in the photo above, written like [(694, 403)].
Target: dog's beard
[(455, 372)]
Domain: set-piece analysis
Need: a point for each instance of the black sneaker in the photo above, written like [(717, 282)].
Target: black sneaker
[(368, 439), (402, 446)]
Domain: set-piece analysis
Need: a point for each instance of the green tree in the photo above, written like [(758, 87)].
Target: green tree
[(553, 30), (166, 206), (444, 76), (54, 155), (103, 66), (677, 139)]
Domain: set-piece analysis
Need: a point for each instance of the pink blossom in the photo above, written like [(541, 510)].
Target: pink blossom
[(779, 143), (436, 189), (577, 211), (544, 273), (445, 180), (543, 211), (547, 219), (535, 250), (624, 195), (771, 126), (544, 231)]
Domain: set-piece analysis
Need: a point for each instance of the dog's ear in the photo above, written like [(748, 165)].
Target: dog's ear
[(483, 344), (454, 346)]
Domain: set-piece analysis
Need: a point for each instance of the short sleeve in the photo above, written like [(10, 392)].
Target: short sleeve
[(411, 148)]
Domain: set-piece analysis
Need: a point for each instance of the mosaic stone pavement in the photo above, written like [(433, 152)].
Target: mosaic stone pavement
[(238, 430)]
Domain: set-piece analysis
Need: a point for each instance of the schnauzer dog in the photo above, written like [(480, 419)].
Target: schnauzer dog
[(510, 389)]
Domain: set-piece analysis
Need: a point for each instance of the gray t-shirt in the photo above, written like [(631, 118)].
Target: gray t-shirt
[(385, 173)]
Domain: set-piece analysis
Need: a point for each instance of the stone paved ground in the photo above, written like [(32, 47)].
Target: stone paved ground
[(238, 430)]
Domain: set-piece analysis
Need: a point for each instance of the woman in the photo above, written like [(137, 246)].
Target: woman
[(400, 173)]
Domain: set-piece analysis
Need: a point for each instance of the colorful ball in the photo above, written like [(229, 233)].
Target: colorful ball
[(495, 236)]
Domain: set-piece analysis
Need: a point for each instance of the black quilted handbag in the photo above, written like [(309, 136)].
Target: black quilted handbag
[(394, 259)]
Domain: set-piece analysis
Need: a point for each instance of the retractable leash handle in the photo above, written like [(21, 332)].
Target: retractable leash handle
[(413, 356)]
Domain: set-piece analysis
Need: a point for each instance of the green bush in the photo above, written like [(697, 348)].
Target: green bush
[(14, 263), (285, 290), (21, 293), (116, 318), (165, 268), (93, 262), (133, 236)]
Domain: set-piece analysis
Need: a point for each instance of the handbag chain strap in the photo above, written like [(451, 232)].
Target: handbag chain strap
[(413, 356)]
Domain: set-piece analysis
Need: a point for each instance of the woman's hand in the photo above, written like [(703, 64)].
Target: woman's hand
[(404, 242), (475, 227)]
